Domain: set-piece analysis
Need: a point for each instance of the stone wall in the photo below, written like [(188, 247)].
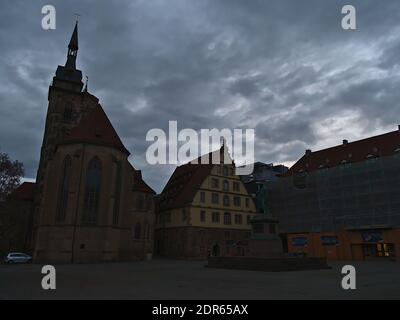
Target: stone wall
[(196, 242)]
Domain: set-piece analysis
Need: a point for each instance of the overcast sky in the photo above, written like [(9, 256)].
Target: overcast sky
[(285, 68)]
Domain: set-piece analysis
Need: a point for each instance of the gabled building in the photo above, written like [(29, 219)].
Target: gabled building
[(91, 205), (16, 216), (342, 202), (204, 209)]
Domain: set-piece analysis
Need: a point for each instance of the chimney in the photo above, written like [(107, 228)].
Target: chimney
[(345, 142), (308, 152)]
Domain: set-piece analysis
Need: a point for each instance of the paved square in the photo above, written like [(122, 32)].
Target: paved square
[(175, 279)]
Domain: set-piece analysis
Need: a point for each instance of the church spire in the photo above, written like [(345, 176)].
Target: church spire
[(67, 76), (73, 49)]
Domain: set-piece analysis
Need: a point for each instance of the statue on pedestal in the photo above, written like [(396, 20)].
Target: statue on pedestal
[(262, 199), (265, 240)]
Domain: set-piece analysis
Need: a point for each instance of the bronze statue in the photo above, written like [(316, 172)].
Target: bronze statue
[(262, 199)]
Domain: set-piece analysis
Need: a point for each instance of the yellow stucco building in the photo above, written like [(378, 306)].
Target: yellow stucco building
[(204, 209)]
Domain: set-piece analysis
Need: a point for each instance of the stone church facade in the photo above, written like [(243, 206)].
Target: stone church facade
[(90, 204)]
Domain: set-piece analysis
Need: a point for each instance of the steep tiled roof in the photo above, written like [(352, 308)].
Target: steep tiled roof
[(184, 183), (138, 182), (96, 129), (358, 151), (24, 192)]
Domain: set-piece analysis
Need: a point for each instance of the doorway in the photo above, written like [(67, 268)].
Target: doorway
[(378, 251), (215, 250)]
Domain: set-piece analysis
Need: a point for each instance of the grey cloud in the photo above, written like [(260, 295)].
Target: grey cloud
[(281, 67)]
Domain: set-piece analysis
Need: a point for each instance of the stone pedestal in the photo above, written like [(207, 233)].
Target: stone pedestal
[(266, 252), (265, 240)]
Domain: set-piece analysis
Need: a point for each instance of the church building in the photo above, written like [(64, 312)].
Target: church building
[(91, 205)]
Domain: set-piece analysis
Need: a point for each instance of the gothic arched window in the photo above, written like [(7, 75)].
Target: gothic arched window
[(137, 231), (64, 190), (92, 191), (117, 194)]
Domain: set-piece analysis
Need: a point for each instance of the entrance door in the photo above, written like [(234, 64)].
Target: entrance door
[(385, 250), (378, 251), (215, 250)]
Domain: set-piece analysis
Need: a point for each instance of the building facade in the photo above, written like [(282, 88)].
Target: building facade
[(91, 205), (204, 209), (342, 202), (16, 216)]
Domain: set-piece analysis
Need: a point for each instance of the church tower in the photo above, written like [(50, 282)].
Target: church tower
[(67, 105), (91, 204)]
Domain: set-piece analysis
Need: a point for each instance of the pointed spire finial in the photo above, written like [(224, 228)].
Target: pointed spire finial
[(73, 43), (77, 17), (73, 49)]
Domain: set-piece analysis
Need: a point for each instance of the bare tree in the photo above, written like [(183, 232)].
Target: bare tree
[(11, 173)]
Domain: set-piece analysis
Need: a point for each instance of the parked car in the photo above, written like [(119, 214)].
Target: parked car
[(17, 257)]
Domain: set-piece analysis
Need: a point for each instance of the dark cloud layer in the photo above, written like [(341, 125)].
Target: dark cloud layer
[(285, 68)]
